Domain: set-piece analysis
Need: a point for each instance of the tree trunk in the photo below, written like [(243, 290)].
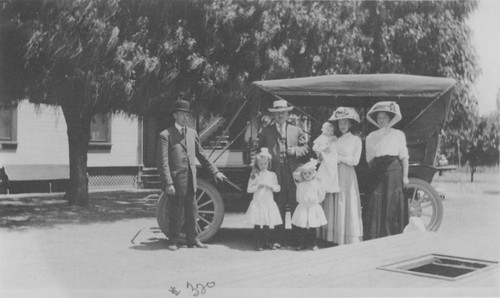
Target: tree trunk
[(375, 27), (78, 140)]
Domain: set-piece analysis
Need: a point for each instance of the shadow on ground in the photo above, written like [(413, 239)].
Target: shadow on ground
[(46, 212), (240, 239), (233, 238)]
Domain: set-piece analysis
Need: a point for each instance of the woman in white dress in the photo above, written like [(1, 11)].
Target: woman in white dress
[(346, 223)]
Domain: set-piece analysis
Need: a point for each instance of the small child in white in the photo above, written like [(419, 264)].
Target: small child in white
[(263, 212), (415, 223), (325, 147), (308, 214)]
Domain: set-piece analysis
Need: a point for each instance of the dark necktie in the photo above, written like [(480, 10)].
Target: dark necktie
[(282, 139)]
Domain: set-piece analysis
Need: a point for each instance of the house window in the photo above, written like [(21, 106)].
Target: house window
[(8, 126), (100, 131)]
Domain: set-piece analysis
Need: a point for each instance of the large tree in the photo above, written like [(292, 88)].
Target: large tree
[(68, 60)]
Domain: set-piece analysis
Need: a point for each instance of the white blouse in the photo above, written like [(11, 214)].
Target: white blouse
[(382, 142), (349, 149), (310, 192)]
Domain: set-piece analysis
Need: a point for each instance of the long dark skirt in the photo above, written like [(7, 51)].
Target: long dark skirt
[(388, 211)]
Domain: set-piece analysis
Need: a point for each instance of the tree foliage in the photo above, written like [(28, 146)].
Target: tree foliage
[(209, 51), (427, 38), (15, 20), (68, 60), (430, 38), (486, 138), (480, 145)]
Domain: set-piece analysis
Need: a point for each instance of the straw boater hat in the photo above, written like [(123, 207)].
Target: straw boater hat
[(384, 106), (280, 106), (344, 113), (182, 105)]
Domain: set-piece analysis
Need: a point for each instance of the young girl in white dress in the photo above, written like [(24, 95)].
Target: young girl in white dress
[(263, 211), (308, 214)]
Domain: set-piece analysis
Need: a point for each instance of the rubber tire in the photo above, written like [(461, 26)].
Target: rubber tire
[(218, 206), (434, 198)]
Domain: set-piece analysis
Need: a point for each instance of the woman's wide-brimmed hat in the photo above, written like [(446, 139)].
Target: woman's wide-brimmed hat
[(280, 105), (182, 105), (384, 106), (344, 113), (264, 152)]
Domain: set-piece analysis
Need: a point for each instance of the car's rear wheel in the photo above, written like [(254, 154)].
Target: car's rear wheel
[(424, 202)]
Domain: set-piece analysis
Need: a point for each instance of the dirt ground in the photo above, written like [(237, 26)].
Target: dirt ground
[(19, 211), (50, 250)]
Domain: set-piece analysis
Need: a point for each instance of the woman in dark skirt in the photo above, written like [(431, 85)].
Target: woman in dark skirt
[(387, 156)]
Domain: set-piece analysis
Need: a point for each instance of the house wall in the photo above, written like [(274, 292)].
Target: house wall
[(125, 144), (42, 139)]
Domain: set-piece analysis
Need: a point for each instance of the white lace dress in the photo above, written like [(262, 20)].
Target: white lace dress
[(309, 213), (263, 210), (328, 169)]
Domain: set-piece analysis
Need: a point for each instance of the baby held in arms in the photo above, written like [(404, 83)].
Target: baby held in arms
[(325, 147)]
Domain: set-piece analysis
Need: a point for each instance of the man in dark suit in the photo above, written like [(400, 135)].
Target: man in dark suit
[(286, 143), (178, 148)]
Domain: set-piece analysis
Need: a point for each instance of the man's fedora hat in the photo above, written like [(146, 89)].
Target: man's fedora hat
[(182, 105), (280, 106)]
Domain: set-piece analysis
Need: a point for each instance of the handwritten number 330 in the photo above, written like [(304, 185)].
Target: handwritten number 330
[(199, 288)]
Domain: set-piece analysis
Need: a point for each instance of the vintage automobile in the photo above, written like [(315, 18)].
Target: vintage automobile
[(424, 103)]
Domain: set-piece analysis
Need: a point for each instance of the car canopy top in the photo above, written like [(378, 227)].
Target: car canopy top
[(369, 85), (424, 100)]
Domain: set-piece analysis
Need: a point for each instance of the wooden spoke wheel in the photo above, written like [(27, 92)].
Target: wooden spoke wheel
[(424, 202), (210, 212)]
